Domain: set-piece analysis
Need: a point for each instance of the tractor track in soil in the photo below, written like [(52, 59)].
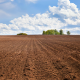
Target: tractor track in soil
[(60, 64)]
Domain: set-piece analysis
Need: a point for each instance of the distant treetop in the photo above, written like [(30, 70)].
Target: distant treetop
[(22, 34), (55, 32), (68, 32), (50, 32)]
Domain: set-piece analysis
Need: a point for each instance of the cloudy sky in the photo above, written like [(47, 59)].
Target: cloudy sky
[(34, 16)]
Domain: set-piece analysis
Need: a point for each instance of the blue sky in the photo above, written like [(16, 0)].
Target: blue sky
[(34, 16)]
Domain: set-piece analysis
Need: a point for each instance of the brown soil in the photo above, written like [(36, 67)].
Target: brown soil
[(40, 57)]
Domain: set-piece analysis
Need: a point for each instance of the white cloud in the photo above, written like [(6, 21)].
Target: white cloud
[(7, 5), (39, 22), (9, 32), (72, 30), (4, 8), (65, 8), (8, 29), (12, 0), (72, 22), (68, 11), (33, 1), (4, 26)]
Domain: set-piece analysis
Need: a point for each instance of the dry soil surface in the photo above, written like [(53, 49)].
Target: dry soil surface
[(40, 57)]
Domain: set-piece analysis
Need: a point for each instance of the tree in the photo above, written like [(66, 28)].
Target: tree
[(56, 32), (68, 32), (22, 34), (44, 32), (50, 32), (53, 32), (61, 32)]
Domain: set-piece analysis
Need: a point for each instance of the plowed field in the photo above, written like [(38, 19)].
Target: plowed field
[(40, 57)]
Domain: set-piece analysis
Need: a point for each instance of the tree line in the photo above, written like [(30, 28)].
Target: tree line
[(55, 32)]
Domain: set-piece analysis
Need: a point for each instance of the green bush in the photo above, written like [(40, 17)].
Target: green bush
[(56, 32), (22, 34), (61, 32), (68, 32), (44, 32)]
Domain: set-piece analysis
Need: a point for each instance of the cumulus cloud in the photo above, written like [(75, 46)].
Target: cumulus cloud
[(11, 29), (7, 5), (35, 24), (33, 1), (12, 0), (69, 11), (72, 30), (39, 22), (11, 32), (4, 26), (72, 21)]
